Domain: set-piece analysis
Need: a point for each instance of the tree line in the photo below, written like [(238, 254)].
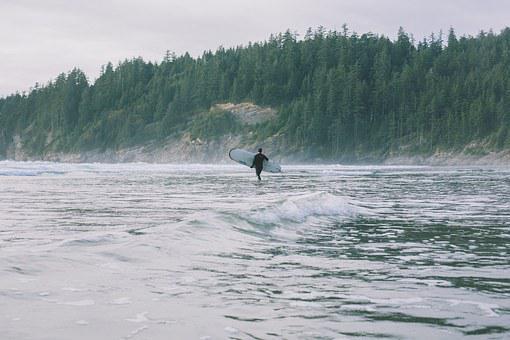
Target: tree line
[(337, 94)]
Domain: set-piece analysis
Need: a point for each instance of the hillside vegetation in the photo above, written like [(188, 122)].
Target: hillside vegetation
[(336, 95)]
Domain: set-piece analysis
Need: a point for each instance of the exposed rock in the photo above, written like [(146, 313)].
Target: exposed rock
[(172, 150), (186, 149), (248, 113), (15, 150)]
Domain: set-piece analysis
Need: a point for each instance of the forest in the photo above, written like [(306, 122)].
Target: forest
[(337, 94)]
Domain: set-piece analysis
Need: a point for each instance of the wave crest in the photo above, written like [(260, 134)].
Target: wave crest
[(302, 207)]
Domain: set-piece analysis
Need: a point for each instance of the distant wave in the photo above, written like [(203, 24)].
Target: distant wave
[(12, 168), (39, 168), (27, 172)]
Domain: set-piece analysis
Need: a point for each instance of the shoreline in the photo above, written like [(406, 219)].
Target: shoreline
[(164, 155), (501, 158)]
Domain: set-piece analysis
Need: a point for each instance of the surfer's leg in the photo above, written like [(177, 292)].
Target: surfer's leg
[(258, 173)]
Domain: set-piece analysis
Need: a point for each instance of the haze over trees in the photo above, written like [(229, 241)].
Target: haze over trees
[(337, 94)]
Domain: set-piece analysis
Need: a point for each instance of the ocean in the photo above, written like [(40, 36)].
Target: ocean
[(160, 251)]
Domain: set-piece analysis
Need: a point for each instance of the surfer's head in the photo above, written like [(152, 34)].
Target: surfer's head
[(260, 149)]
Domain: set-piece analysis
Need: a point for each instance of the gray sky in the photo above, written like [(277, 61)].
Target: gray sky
[(42, 38)]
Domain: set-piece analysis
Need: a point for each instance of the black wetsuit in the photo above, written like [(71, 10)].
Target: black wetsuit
[(258, 163)]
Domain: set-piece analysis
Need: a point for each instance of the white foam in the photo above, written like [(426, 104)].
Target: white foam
[(78, 303), (487, 309), (357, 308), (135, 332), (140, 317), (299, 208), (43, 168), (11, 168), (231, 330), (121, 301), (72, 289)]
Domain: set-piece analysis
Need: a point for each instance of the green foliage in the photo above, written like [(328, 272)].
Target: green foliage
[(338, 94), (214, 124)]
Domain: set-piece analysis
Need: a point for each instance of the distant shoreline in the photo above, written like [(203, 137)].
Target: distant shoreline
[(166, 155)]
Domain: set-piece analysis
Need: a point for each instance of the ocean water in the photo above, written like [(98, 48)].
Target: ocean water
[(139, 251)]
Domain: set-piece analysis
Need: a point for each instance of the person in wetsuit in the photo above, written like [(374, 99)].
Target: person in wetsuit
[(258, 162)]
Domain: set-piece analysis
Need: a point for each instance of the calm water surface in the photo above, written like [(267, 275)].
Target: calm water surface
[(138, 251)]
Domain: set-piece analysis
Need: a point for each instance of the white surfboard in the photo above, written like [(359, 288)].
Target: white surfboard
[(246, 158)]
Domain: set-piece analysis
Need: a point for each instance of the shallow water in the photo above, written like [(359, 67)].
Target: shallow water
[(138, 251)]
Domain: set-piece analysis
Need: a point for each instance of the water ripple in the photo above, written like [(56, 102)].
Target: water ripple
[(207, 252)]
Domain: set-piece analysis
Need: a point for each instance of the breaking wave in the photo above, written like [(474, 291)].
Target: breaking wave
[(300, 208)]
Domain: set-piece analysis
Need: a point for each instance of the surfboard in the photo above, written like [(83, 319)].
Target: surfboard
[(246, 158)]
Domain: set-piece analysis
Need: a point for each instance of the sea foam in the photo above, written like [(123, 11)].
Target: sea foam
[(300, 208)]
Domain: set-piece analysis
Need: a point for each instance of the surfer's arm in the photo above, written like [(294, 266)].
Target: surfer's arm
[(267, 159), (253, 163)]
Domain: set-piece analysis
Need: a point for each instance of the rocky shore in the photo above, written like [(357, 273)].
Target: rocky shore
[(187, 150)]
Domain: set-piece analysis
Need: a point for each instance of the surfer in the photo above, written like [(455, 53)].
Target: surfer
[(258, 162)]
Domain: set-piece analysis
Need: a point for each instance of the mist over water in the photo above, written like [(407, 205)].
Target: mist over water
[(139, 251)]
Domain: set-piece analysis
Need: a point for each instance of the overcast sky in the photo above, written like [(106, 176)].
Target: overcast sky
[(42, 38)]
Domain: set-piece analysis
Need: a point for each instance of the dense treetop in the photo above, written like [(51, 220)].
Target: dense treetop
[(337, 94)]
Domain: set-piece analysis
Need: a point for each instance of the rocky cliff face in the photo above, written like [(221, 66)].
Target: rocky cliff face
[(183, 148), (248, 113), (175, 149), (15, 150)]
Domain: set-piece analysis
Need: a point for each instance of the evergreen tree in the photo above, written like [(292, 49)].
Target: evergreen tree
[(338, 94)]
